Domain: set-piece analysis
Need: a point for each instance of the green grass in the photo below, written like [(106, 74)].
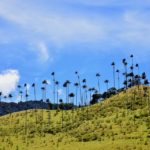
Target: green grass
[(121, 122)]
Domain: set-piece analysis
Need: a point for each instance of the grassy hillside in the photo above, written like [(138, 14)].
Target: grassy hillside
[(121, 122)]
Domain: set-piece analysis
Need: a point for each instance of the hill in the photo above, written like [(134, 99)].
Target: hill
[(121, 122)]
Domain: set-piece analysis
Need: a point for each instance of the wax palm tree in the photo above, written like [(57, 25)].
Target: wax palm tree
[(21, 95), (85, 94), (19, 89), (57, 86), (68, 83), (138, 75), (45, 88), (62, 108), (106, 82), (34, 91), (72, 95), (49, 112), (77, 86), (26, 112), (118, 77), (114, 75), (65, 86), (85, 91), (132, 69), (10, 109), (54, 88), (43, 98), (80, 87), (126, 72), (98, 81)]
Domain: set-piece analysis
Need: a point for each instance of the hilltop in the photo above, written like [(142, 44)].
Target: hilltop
[(119, 122)]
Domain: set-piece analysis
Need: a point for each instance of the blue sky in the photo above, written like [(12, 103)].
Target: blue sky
[(41, 36)]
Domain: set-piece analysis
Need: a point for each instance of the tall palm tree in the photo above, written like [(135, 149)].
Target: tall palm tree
[(98, 81), (43, 98), (118, 77), (34, 91), (126, 72), (85, 94), (54, 88), (49, 112), (68, 83), (65, 86), (57, 86), (132, 69), (77, 86), (45, 89), (85, 91), (19, 93), (62, 108), (72, 95), (138, 74), (10, 109), (79, 82), (106, 82), (114, 75), (26, 112)]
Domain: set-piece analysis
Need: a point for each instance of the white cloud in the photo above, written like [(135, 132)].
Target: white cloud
[(8, 81)]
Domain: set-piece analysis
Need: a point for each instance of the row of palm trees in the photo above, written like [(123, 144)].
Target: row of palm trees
[(83, 92)]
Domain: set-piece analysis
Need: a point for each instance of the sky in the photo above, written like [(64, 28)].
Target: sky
[(38, 37)]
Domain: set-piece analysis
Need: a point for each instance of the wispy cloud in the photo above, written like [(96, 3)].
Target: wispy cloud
[(62, 27)]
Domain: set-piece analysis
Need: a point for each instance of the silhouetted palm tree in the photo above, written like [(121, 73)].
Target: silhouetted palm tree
[(85, 91), (132, 68), (106, 82), (118, 77), (72, 95), (77, 86), (85, 94), (68, 83), (26, 112), (45, 89), (19, 93), (62, 108), (10, 109), (138, 75), (57, 86), (34, 91), (43, 98), (65, 86), (80, 87), (114, 75), (49, 112), (98, 81), (126, 72), (53, 75)]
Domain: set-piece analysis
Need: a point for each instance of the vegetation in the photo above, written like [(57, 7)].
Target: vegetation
[(119, 122)]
